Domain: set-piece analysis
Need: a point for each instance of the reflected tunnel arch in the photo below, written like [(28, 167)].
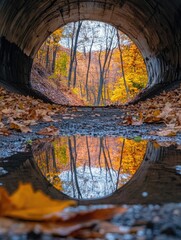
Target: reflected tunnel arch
[(23, 168), (154, 26)]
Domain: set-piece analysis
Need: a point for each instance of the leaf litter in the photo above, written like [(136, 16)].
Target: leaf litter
[(19, 113), (164, 108)]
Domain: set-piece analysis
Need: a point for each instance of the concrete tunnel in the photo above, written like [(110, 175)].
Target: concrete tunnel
[(154, 26)]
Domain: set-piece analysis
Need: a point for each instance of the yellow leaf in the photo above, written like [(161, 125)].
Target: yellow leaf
[(5, 202), (28, 204)]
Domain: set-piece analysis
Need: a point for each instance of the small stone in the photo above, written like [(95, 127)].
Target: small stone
[(156, 219), (177, 212), (144, 194)]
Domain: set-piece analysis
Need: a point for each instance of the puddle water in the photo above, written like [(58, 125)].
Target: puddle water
[(98, 170), (89, 167)]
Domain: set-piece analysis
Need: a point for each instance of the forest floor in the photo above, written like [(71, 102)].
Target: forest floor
[(52, 88), (24, 119), (81, 121), (139, 222)]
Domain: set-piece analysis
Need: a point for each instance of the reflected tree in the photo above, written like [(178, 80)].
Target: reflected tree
[(90, 166)]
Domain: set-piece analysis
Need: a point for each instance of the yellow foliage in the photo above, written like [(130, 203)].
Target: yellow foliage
[(135, 74)]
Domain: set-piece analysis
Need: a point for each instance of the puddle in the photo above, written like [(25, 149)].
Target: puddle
[(98, 170), (89, 167)]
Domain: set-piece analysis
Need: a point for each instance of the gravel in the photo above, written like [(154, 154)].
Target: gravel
[(84, 121)]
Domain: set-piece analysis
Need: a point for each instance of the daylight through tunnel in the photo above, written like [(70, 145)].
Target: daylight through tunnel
[(154, 26)]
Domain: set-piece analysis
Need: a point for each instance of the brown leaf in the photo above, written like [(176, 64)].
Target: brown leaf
[(19, 127), (7, 111), (166, 110), (98, 214), (4, 131), (128, 120), (1, 125), (49, 131), (30, 122), (167, 133), (47, 119)]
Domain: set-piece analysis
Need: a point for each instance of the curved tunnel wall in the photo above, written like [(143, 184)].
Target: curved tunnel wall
[(154, 25)]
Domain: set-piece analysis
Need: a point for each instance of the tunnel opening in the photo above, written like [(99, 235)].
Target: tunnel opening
[(154, 27), (89, 63)]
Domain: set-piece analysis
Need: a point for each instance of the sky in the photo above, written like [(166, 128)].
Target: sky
[(99, 32)]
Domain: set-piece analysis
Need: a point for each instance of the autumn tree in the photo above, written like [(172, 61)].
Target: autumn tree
[(135, 74), (48, 51), (95, 61)]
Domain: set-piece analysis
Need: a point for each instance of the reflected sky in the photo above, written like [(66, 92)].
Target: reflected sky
[(85, 167)]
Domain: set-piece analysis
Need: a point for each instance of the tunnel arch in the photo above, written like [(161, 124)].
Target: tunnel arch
[(155, 27)]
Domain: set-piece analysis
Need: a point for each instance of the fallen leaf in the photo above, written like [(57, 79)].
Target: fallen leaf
[(49, 131), (19, 127), (30, 122), (4, 131), (167, 133), (7, 111), (97, 214), (1, 125), (166, 110), (5, 202), (47, 119), (28, 204)]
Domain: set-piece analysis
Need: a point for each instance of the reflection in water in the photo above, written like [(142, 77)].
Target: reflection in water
[(89, 167), (157, 180)]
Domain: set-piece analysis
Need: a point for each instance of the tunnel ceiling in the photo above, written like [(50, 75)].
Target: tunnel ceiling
[(154, 25)]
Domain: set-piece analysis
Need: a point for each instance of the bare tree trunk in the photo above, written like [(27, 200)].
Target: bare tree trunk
[(120, 163), (47, 57), (54, 159), (72, 159), (73, 50), (104, 67), (88, 70), (75, 72), (47, 160), (106, 162), (122, 67), (89, 157), (81, 90), (100, 151), (54, 58)]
